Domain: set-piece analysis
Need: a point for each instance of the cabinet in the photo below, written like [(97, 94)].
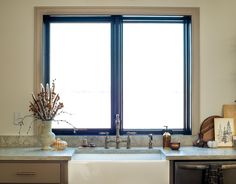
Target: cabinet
[(203, 172), (31, 172)]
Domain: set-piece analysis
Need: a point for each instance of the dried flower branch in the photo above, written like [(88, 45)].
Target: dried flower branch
[(46, 105), (20, 122)]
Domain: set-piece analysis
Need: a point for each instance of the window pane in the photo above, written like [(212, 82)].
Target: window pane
[(153, 76), (80, 63)]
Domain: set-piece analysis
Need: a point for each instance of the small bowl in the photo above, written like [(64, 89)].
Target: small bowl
[(175, 145)]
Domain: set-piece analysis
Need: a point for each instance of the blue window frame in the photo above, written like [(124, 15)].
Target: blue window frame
[(117, 22)]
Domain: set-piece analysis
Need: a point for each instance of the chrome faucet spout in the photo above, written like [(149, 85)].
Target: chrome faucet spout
[(117, 123), (150, 144)]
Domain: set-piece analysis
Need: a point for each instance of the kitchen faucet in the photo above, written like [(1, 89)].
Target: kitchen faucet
[(118, 138)]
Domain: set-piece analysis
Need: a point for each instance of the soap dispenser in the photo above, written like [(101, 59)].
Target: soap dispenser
[(166, 138)]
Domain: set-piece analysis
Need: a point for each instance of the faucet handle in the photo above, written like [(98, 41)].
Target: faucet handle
[(106, 139), (129, 139)]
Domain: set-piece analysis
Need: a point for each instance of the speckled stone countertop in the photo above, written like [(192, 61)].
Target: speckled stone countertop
[(195, 153), (35, 154), (184, 153)]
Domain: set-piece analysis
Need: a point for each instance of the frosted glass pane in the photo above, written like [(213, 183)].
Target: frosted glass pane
[(153, 76), (80, 63)]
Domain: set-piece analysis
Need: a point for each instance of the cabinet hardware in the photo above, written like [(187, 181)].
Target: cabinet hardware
[(202, 167), (25, 173), (193, 167), (228, 166)]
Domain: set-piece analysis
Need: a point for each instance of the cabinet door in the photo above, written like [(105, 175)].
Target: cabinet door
[(187, 175), (196, 172), (229, 176)]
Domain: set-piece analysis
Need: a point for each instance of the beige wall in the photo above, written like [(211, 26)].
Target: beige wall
[(217, 46)]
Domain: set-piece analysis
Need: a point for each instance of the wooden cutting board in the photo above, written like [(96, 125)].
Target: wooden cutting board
[(229, 111), (207, 129)]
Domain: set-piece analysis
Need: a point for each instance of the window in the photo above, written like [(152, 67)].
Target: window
[(139, 67)]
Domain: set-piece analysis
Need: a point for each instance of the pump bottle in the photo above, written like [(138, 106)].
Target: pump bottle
[(166, 138)]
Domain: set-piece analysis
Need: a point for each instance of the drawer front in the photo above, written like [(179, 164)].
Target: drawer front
[(29, 173)]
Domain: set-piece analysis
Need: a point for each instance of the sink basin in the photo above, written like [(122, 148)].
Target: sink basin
[(117, 154), (118, 151), (118, 166), (117, 157)]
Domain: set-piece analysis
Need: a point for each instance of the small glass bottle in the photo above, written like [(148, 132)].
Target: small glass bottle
[(166, 138)]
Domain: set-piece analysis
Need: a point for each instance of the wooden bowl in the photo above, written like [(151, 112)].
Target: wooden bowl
[(175, 145)]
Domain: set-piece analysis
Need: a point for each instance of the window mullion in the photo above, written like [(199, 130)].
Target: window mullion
[(46, 50), (116, 70), (187, 73)]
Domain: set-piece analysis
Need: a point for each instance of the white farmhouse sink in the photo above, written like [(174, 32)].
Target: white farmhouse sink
[(100, 154), (122, 166)]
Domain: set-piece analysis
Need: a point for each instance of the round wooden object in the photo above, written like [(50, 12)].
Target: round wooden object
[(207, 128)]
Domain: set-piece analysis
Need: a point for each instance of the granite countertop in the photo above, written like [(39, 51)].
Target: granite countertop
[(195, 153), (35, 154)]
